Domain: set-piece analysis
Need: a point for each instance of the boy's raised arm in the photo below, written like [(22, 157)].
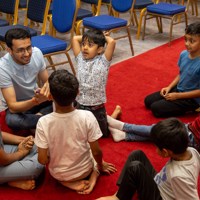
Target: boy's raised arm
[(109, 48), (76, 44)]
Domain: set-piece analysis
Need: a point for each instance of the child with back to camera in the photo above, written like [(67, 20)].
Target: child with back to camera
[(178, 179), (182, 95), (93, 64), (67, 138)]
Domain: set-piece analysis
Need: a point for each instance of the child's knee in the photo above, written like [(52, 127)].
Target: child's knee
[(157, 110)]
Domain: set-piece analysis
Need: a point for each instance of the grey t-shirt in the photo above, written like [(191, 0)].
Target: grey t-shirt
[(22, 77)]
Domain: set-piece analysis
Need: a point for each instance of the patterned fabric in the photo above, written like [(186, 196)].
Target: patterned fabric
[(92, 76)]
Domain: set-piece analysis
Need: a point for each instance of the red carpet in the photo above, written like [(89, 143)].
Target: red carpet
[(129, 82)]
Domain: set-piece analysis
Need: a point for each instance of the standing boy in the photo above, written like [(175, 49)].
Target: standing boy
[(182, 95), (93, 64), (178, 179), (67, 139)]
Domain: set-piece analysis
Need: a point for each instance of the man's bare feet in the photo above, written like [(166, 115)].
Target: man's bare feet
[(92, 182), (24, 184), (76, 185), (117, 112)]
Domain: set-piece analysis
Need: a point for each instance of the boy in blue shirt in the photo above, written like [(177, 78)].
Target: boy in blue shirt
[(182, 95)]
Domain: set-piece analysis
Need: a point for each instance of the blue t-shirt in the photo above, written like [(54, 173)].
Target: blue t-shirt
[(189, 73)]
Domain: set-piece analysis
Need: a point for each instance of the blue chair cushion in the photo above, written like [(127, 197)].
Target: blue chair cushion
[(4, 29), (82, 13), (3, 22), (166, 8), (140, 4), (104, 22), (48, 44)]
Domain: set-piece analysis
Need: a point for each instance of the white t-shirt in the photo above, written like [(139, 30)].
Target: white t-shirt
[(66, 136), (178, 180)]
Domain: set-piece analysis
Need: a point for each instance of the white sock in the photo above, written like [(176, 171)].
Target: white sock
[(117, 134), (114, 123)]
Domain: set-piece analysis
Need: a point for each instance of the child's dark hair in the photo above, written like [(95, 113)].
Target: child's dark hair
[(63, 87), (193, 29), (170, 134), (16, 33), (95, 36)]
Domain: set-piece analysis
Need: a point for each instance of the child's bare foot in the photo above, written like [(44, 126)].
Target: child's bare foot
[(24, 184), (117, 112), (92, 182), (79, 185)]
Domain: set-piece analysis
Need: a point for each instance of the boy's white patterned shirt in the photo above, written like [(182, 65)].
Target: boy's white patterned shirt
[(92, 75)]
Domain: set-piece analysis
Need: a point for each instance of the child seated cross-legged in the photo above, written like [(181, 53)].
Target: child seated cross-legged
[(178, 179), (67, 138), (182, 95), (19, 165)]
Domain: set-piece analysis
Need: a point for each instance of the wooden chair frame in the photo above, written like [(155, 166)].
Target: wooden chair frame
[(46, 17), (65, 52), (95, 10), (175, 19)]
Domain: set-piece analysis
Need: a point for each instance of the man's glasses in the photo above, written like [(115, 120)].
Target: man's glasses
[(24, 50)]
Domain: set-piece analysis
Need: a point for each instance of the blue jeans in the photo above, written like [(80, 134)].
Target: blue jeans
[(142, 133), (137, 132), (27, 120)]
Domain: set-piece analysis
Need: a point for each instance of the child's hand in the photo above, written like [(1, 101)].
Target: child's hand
[(43, 94), (107, 168), (164, 91), (26, 145), (106, 33), (172, 96)]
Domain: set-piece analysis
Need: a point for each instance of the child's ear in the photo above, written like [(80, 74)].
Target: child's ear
[(50, 97), (9, 50), (165, 153), (100, 50)]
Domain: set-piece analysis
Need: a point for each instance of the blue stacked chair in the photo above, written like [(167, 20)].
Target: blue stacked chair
[(167, 11), (37, 11), (140, 6), (10, 8), (82, 13), (63, 19)]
